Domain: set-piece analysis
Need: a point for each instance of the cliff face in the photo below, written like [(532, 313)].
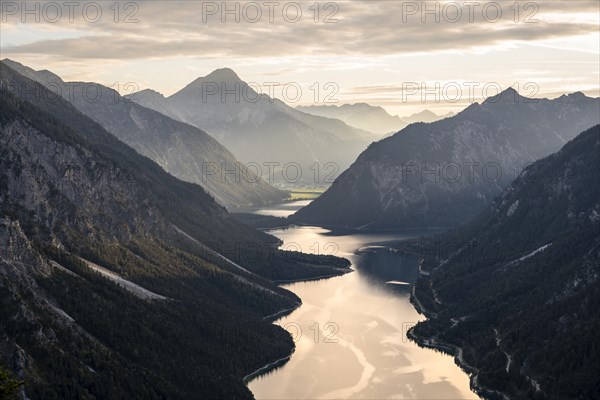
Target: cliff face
[(68, 189), (442, 174)]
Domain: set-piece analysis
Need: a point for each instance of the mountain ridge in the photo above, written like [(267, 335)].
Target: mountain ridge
[(371, 118), (515, 288), (182, 150), (113, 277), (261, 130), (441, 174)]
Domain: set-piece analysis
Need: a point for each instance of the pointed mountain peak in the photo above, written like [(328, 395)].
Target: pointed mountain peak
[(8, 62), (218, 76), (222, 75), (17, 66), (43, 76), (509, 95)]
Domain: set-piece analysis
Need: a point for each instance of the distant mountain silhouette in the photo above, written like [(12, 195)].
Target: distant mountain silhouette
[(261, 130), (370, 118)]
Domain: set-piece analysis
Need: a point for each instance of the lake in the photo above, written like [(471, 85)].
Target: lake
[(350, 331)]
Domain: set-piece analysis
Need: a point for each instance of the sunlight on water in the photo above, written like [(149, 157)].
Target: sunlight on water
[(350, 331), (284, 209)]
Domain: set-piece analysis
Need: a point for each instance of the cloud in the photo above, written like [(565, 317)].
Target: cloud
[(374, 46), (370, 28)]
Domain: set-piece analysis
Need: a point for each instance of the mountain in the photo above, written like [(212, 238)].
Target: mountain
[(444, 173), (370, 118), (182, 150), (155, 101), (117, 280), (518, 288), (360, 115), (261, 131), (425, 116)]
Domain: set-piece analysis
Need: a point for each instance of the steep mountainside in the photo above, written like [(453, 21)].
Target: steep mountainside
[(182, 150), (262, 130), (113, 279), (443, 173), (518, 288)]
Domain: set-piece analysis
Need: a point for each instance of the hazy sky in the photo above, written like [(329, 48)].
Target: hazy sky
[(403, 55)]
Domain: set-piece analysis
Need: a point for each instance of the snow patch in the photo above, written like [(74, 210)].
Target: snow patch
[(594, 216), (525, 257), (512, 208), (131, 287)]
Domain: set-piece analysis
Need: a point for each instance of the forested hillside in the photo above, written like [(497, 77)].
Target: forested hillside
[(518, 288), (112, 281)]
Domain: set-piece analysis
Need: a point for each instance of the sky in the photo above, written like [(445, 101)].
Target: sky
[(402, 55)]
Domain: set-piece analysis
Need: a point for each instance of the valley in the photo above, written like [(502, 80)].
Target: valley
[(344, 351)]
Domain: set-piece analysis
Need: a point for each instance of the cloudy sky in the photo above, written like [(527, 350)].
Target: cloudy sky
[(402, 55)]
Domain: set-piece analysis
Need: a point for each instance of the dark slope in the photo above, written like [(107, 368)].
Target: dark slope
[(71, 194), (443, 173), (522, 281)]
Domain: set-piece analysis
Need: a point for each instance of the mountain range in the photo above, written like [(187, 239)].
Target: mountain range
[(370, 118), (120, 280), (514, 293), (181, 149), (441, 174), (123, 275), (282, 142)]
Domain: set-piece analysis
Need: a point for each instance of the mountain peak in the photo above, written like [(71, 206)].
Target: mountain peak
[(222, 75), (577, 95), (43, 76), (218, 76), (424, 113), (148, 92), (8, 62), (506, 96), (17, 66)]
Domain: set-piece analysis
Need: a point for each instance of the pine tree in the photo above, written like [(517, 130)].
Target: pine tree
[(8, 386)]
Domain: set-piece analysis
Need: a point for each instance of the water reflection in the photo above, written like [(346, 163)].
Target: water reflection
[(350, 331), (283, 209)]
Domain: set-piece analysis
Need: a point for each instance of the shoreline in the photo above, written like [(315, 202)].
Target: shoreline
[(280, 314), (341, 272), (277, 363), (315, 278), (451, 349), (267, 368), (334, 227)]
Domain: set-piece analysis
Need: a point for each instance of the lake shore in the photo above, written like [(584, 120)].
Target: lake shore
[(368, 281), (449, 348), (341, 272), (267, 368), (280, 314)]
